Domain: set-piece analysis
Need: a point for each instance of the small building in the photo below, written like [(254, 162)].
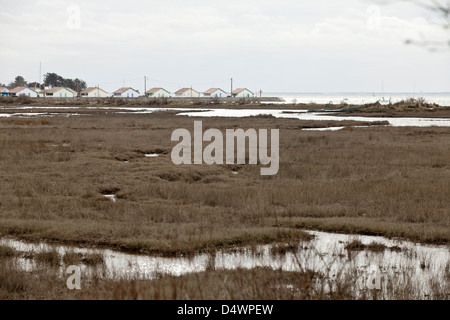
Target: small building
[(187, 93), (242, 93), (58, 92), (94, 92), (126, 92), (22, 91), (215, 93), (157, 92), (4, 91)]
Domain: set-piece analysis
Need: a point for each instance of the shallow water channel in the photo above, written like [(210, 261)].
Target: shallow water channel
[(238, 113), (399, 264)]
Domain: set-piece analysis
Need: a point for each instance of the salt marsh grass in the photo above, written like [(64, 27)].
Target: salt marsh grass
[(373, 181)]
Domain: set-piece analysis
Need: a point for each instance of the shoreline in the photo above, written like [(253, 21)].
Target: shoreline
[(90, 105)]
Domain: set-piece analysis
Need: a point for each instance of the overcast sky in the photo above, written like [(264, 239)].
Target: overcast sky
[(275, 46)]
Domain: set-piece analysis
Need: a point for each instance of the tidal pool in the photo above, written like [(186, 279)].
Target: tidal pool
[(238, 113), (398, 265)]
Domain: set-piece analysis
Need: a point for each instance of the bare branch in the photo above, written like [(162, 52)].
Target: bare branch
[(441, 8)]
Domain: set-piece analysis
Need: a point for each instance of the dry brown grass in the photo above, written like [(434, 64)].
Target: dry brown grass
[(376, 181), (409, 108), (7, 252), (256, 284), (88, 259), (241, 284), (357, 245), (384, 181), (51, 258)]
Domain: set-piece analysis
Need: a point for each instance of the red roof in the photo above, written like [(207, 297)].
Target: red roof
[(183, 90)]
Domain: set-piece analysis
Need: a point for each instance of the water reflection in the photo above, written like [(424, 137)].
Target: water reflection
[(417, 266)]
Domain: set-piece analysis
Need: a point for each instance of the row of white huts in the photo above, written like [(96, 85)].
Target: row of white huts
[(125, 92)]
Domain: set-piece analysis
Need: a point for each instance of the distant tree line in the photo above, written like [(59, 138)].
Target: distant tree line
[(19, 81), (50, 80), (55, 80)]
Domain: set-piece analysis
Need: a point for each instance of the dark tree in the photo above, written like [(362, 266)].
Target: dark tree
[(55, 80), (19, 81), (69, 83), (51, 79), (80, 85), (34, 85)]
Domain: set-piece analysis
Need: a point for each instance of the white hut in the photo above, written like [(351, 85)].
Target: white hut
[(126, 92), (22, 91), (157, 93), (94, 92), (242, 93), (215, 93), (58, 92), (4, 91), (187, 93)]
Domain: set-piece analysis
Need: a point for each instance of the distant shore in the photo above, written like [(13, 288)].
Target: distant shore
[(407, 108)]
